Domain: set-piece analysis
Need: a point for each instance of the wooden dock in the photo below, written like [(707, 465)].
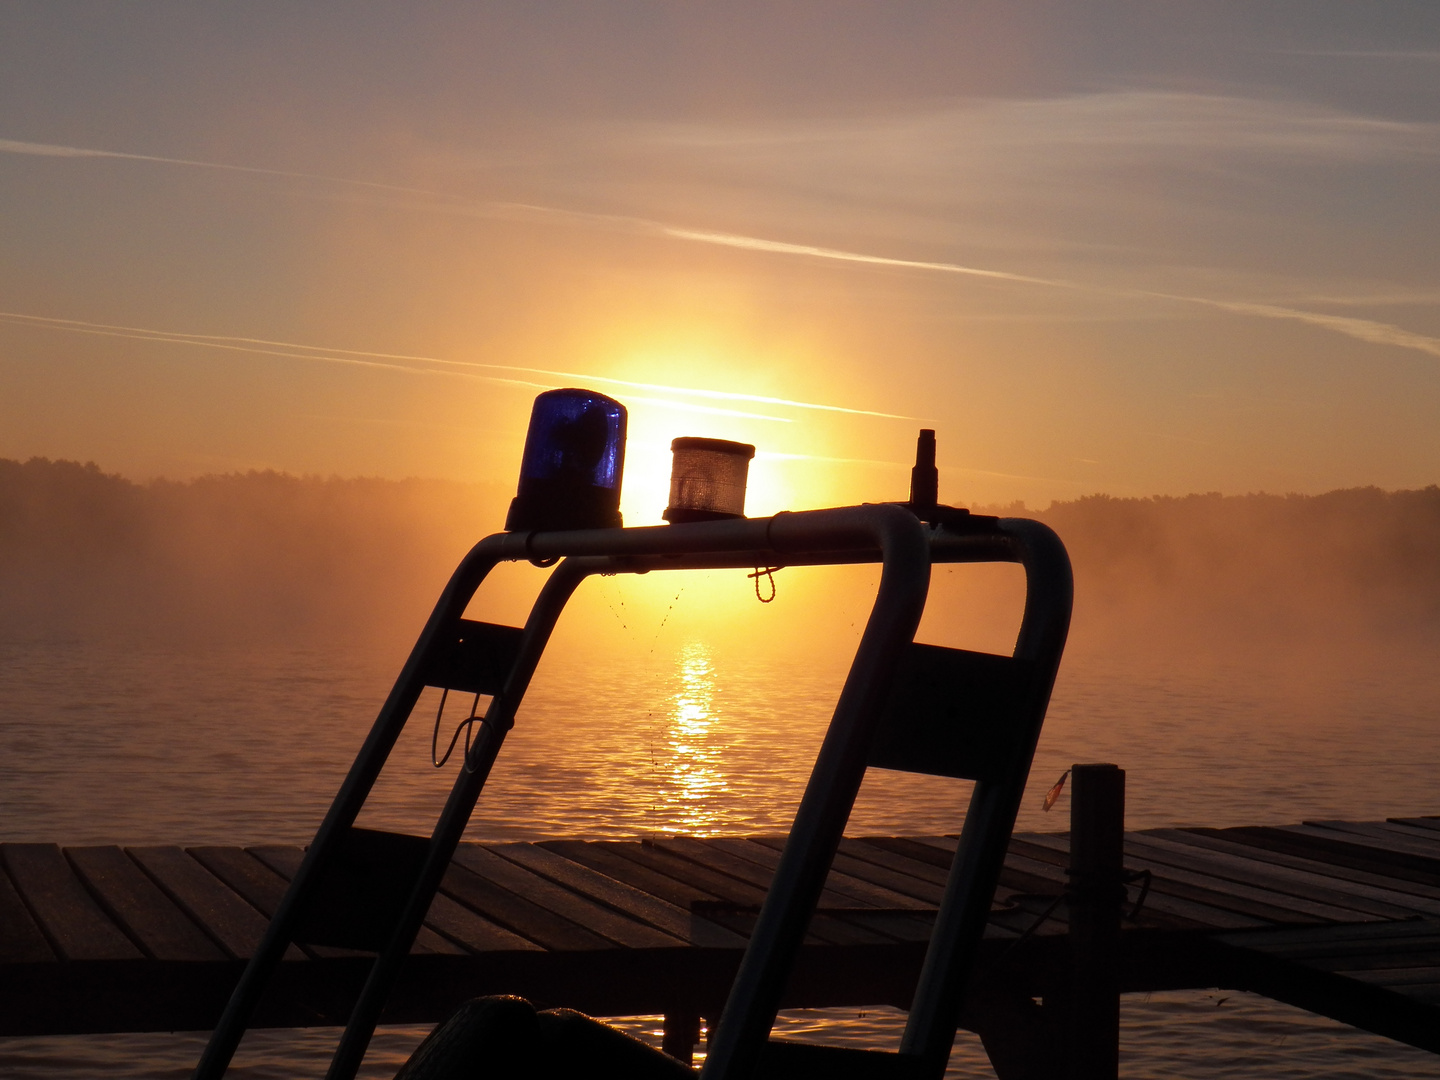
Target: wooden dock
[(1341, 918)]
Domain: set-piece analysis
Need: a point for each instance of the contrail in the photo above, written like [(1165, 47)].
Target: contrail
[(1376, 333), (386, 361), (780, 247), (34, 149), (1366, 330)]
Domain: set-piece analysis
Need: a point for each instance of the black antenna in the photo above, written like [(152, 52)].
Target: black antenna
[(924, 477)]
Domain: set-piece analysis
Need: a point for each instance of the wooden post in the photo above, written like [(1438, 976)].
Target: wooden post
[(1097, 840), (682, 1033)]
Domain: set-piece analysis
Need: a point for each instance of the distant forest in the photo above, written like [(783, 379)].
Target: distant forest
[(267, 555)]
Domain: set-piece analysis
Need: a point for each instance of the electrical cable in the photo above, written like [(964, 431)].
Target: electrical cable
[(465, 725)]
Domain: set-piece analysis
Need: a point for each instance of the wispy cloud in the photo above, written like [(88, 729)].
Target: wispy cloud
[(927, 148), (1377, 333), (432, 365), (35, 149)]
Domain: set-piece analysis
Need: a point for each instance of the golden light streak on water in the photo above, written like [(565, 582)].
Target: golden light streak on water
[(693, 777)]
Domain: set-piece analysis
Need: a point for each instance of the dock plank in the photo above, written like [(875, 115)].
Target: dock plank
[(1410, 828), (74, 923), (724, 899), (864, 849), (1192, 906), (1337, 917), (21, 941), (1177, 867), (875, 909), (1428, 823), (1378, 835), (825, 925), (236, 925), (622, 929), (518, 914), (1232, 862), (1404, 892), (1329, 846), (136, 903), (599, 857), (873, 889), (626, 899)]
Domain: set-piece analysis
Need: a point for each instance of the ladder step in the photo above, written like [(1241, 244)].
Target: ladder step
[(357, 899)]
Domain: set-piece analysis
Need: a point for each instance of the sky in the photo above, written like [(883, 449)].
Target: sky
[(1133, 248)]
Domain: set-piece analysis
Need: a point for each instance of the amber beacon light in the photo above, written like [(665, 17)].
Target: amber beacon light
[(707, 480)]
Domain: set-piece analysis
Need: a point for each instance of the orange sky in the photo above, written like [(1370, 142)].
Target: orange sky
[(1099, 247)]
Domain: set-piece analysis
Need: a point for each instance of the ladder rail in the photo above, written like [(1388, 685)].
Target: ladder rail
[(885, 533), (934, 1014), (499, 718), (737, 1045), (346, 807)]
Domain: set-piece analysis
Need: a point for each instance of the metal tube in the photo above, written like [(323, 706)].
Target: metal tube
[(744, 1028), (980, 854), (879, 532), (499, 718), (467, 577)]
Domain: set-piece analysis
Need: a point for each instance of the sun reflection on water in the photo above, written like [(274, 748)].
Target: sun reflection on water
[(691, 779)]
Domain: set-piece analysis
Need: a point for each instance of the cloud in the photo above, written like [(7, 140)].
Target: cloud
[(890, 175), (1377, 333), (431, 365), (34, 149)]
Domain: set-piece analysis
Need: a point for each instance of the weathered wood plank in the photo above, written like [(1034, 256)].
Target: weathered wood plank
[(872, 908), (601, 858), (1342, 853), (871, 885), (260, 886), (630, 901), (679, 901), (620, 928), (750, 863), (723, 892), (64, 908), (1427, 823), (865, 850), (1376, 835), (1226, 865), (1331, 846), (518, 914), (136, 903), (824, 925), (1402, 892), (21, 941), (1198, 907), (1178, 867), (1412, 829), (235, 924)]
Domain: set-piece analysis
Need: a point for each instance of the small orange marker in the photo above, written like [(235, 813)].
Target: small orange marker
[(1053, 795)]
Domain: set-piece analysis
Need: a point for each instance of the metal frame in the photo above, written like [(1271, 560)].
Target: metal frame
[(886, 533)]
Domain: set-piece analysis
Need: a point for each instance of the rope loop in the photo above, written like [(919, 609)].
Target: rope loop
[(768, 573)]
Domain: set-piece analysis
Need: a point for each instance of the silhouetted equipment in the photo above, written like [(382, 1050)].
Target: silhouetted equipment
[(924, 477), (574, 459), (707, 479), (904, 705)]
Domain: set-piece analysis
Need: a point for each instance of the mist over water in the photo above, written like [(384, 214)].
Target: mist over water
[(199, 662)]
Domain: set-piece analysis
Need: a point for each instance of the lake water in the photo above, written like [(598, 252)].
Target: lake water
[(134, 743)]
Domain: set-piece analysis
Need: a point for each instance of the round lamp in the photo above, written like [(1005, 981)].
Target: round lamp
[(574, 456), (707, 479)]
